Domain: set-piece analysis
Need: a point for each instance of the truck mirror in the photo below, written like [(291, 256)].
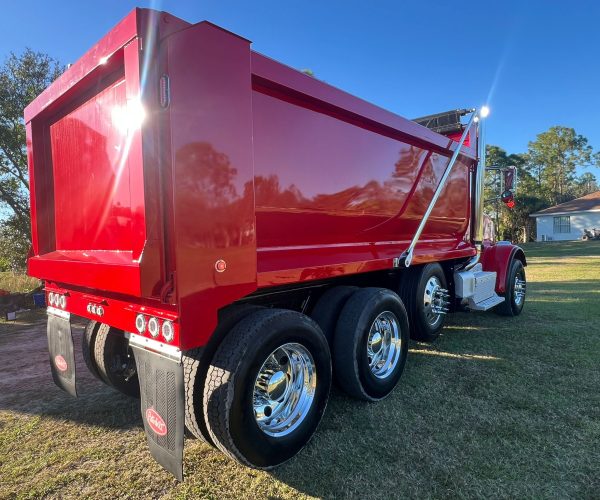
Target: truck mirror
[(509, 178)]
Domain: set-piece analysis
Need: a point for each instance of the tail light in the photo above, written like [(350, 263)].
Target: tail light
[(168, 332), (140, 323), (153, 327)]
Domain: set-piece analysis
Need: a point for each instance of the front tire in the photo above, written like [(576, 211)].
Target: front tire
[(267, 387), (514, 296), (371, 344)]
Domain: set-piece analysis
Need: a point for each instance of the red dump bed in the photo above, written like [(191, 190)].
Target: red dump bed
[(171, 151)]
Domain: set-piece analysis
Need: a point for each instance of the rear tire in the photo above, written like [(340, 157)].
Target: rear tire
[(115, 361), (371, 344), (513, 301), (88, 340), (253, 380), (195, 365), (425, 325), (328, 309)]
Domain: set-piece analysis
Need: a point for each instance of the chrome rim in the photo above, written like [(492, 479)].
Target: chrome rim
[(284, 389), (435, 300), (384, 345), (520, 287)]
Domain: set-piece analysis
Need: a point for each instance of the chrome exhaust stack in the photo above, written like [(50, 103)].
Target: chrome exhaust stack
[(477, 190)]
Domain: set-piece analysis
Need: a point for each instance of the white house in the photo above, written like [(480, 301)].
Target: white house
[(568, 220)]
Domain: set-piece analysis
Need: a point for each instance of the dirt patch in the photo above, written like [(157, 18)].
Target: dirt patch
[(27, 381)]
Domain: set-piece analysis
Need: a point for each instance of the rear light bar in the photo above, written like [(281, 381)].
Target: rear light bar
[(154, 327), (153, 322), (57, 300)]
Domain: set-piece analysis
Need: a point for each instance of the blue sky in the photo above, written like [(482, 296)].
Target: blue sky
[(537, 63)]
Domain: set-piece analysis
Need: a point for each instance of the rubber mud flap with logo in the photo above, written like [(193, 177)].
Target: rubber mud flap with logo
[(62, 357), (162, 399)]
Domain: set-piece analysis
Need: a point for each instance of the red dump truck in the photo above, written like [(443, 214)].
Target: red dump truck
[(238, 233)]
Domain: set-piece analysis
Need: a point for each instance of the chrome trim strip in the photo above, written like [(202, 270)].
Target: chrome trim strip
[(168, 351), (58, 312)]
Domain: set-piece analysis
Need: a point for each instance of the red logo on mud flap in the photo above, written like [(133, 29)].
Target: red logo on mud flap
[(60, 363), (155, 421)]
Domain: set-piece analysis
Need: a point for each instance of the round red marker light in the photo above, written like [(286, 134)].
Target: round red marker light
[(220, 265)]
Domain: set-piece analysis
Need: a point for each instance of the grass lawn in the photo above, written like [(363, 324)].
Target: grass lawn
[(17, 282), (496, 407)]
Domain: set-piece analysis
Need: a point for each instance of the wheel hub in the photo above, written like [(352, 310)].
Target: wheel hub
[(519, 289), (284, 389), (384, 345), (436, 301), (376, 342), (277, 385)]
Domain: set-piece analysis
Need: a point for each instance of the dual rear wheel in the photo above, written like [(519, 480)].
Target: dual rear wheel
[(109, 358), (267, 384)]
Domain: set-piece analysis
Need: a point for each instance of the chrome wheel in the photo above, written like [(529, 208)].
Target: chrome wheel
[(435, 300), (520, 287), (384, 345), (284, 389)]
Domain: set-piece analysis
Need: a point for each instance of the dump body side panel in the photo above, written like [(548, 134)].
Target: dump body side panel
[(340, 193)]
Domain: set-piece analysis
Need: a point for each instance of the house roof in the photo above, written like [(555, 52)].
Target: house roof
[(585, 203)]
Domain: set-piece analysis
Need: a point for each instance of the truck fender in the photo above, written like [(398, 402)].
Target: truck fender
[(498, 258)]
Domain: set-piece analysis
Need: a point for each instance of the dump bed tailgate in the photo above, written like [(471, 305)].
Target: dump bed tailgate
[(95, 187)]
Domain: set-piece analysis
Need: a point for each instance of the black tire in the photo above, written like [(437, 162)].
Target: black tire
[(115, 361), (585, 237), (328, 308), (511, 305), (195, 365), (350, 354), (230, 381), (87, 347), (412, 292)]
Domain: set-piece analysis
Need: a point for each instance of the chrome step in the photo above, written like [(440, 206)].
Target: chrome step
[(477, 288), (486, 304)]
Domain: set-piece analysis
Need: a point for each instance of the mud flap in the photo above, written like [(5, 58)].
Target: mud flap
[(162, 398), (60, 347)]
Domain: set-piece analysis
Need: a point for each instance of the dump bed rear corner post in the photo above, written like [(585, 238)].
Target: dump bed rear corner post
[(214, 223)]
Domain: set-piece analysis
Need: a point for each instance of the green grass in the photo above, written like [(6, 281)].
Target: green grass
[(496, 407), (17, 282)]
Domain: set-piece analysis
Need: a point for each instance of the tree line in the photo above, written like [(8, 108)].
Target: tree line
[(547, 172), (547, 176)]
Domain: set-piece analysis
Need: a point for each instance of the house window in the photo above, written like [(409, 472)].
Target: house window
[(562, 224)]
